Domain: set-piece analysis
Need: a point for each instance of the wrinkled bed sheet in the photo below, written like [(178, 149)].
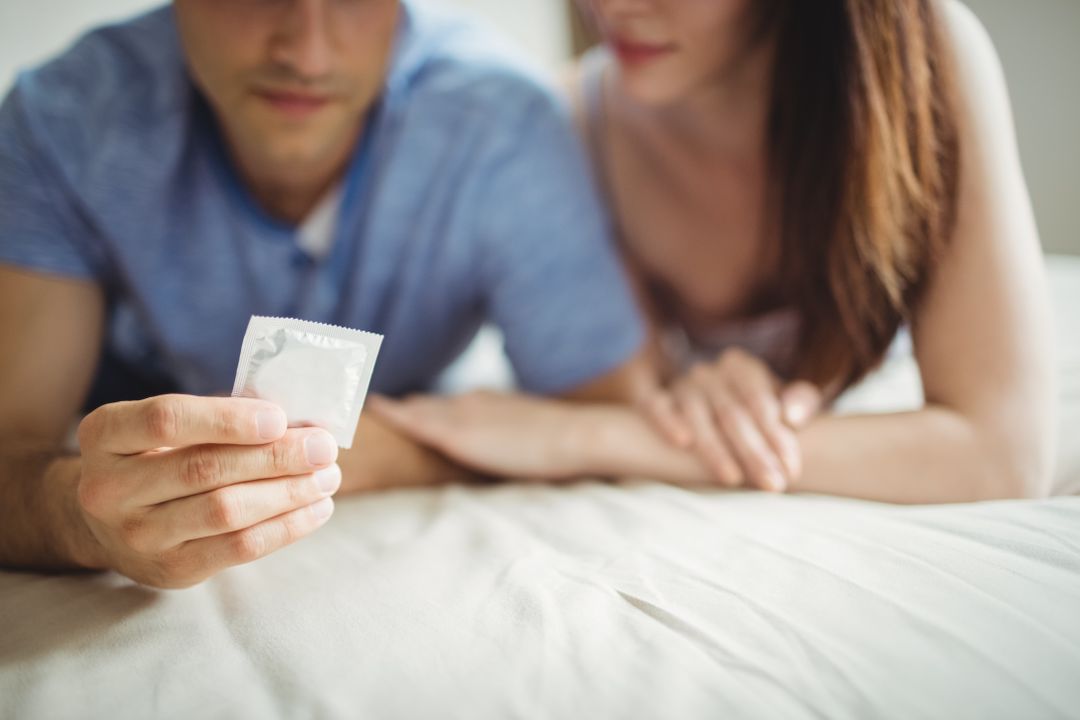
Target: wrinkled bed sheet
[(593, 600)]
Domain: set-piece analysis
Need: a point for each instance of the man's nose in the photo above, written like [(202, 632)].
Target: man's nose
[(303, 41)]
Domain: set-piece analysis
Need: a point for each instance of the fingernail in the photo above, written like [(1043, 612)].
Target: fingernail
[(798, 413), (320, 448), (323, 508), (775, 481), (272, 423), (328, 479)]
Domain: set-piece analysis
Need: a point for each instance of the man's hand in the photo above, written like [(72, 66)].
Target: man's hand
[(504, 434), (177, 488)]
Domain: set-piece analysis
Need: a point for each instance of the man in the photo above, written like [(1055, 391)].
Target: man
[(370, 163)]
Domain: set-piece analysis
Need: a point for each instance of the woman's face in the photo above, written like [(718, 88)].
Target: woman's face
[(668, 49)]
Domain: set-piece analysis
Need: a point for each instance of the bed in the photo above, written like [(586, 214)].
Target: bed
[(612, 600)]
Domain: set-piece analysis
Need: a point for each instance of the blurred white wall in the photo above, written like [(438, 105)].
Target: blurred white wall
[(1039, 42), (33, 30), (539, 25), (1039, 45)]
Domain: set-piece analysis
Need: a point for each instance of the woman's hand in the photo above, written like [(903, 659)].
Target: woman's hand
[(739, 418), (499, 434)]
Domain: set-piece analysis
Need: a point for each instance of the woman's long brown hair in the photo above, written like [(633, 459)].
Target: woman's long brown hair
[(864, 164), (863, 168)]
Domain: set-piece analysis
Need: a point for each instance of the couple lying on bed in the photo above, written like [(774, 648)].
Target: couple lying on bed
[(789, 184)]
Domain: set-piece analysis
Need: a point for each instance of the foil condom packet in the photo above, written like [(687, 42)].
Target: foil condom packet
[(317, 373)]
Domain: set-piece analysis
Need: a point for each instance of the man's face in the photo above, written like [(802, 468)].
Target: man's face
[(289, 80)]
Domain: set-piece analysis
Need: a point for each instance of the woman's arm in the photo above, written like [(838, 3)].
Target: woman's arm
[(982, 338), (931, 455), (982, 335), (927, 456)]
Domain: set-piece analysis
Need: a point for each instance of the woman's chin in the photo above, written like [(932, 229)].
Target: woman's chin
[(650, 90)]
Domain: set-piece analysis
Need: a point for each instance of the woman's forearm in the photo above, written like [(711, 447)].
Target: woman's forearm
[(933, 455)]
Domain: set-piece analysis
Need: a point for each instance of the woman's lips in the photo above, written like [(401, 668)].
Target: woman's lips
[(637, 53), (294, 105)]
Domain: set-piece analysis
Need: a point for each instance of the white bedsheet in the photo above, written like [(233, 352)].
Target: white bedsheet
[(595, 600)]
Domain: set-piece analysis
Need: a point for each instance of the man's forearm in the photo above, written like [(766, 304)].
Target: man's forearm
[(382, 459), (931, 455), (616, 441), (40, 523)]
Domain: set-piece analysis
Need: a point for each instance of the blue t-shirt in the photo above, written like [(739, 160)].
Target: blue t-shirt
[(467, 201)]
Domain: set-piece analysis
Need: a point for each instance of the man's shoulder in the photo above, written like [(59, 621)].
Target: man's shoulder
[(113, 80), (460, 63)]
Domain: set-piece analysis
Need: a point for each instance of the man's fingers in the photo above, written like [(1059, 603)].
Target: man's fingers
[(238, 506), (711, 447), (128, 428), (188, 471), (207, 556)]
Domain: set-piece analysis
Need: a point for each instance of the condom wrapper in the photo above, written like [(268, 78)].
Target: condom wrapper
[(318, 374)]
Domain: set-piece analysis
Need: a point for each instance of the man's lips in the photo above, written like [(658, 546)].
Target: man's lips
[(632, 52), (293, 104)]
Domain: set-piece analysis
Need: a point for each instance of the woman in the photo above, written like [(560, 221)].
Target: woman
[(794, 183)]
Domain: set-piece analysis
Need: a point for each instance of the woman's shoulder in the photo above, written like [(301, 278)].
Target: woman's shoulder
[(970, 45), (981, 95), (960, 19)]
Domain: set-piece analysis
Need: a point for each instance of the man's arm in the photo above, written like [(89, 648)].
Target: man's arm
[(51, 335), (50, 340), (382, 458), (232, 486), (627, 384), (167, 491), (547, 265)]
